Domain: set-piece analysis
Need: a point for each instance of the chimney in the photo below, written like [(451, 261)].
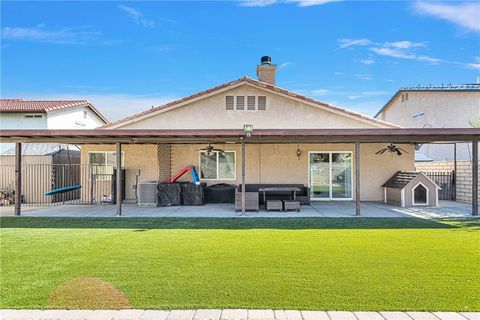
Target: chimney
[(266, 70)]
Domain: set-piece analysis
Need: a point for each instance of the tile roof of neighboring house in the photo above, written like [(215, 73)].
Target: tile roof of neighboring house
[(41, 149), (21, 105), (449, 88), (258, 84)]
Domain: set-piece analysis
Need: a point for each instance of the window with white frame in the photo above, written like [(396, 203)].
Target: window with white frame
[(103, 162), (217, 165)]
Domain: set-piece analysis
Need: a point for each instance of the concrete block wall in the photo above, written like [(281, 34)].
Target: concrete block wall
[(464, 176)]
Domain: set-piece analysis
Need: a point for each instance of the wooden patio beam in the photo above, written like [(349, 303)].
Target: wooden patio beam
[(357, 178), (119, 180), (18, 178), (475, 178)]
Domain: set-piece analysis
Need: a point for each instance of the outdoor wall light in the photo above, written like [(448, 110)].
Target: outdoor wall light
[(248, 129), (298, 152)]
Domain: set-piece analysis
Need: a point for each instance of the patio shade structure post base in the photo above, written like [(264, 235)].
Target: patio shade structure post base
[(475, 178), (118, 186), (243, 176), (18, 178), (357, 178)]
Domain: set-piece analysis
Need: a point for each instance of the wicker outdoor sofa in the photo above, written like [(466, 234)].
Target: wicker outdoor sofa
[(253, 198)]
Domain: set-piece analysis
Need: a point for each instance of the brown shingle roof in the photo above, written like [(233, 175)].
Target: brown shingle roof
[(257, 84), (400, 179), (21, 105)]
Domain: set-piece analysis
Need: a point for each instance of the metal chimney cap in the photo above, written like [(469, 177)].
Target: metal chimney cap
[(266, 60)]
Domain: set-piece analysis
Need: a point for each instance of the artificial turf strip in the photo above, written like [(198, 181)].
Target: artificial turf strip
[(318, 263)]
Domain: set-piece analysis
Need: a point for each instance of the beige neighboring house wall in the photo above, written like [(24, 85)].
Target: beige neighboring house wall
[(441, 110)]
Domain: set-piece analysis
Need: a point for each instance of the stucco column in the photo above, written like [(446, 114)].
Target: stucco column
[(474, 178), (18, 178), (357, 178), (119, 179)]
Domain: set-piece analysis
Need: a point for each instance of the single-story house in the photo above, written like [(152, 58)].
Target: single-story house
[(251, 131), (327, 168)]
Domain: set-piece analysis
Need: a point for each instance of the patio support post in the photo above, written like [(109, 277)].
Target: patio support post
[(357, 178), (243, 176), (475, 178), (18, 178), (119, 179), (454, 171)]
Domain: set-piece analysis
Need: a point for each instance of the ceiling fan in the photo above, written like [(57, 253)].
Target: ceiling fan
[(210, 149), (391, 149)]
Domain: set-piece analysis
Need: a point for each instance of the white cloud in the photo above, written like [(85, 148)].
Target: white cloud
[(368, 61), (404, 44), (309, 3), (338, 73), (284, 65), (394, 53), (474, 65), (40, 34), (374, 93), (363, 76), (137, 16), (465, 15), (299, 3), (320, 92), (345, 43)]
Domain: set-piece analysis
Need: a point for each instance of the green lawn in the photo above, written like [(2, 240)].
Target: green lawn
[(312, 263)]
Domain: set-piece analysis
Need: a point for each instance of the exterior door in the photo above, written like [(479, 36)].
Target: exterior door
[(330, 175)]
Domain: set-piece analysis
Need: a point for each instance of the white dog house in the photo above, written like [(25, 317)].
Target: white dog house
[(408, 189)]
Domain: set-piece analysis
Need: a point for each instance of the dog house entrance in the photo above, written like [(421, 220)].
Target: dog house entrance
[(420, 195)]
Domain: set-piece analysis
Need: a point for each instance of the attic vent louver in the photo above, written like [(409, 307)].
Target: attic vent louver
[(229, 103), (262, 103), (251, 103), (240, 102)]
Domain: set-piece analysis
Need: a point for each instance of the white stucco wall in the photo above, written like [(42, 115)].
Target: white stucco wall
[(73, 118), (441, 110)]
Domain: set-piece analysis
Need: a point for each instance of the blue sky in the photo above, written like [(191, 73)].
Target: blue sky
[(128, 56)]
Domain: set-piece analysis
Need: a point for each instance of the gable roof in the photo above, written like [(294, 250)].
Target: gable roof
[(449, 88), (258, 84), (45, 106), (402, 178)]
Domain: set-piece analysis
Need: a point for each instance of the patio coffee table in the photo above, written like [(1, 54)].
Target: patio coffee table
[(292, 190)]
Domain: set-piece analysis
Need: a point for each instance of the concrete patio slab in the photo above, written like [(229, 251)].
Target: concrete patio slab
[(471, 315), (261, 315), (293, 314), (329, 209)]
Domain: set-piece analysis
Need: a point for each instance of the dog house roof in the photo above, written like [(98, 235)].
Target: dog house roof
[(401, 178)]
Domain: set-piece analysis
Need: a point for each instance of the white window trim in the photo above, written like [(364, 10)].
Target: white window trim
[(217, 179), (105, 152), (330, 191), (413, 195)]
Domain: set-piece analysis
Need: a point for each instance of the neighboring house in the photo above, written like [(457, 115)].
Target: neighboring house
[(44, 114), (435, 107), (326, 167)]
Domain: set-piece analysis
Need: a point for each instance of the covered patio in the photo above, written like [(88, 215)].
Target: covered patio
[(357, 137), (319, 209)]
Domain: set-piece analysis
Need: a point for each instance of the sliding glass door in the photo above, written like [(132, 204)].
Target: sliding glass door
[(330, 175)]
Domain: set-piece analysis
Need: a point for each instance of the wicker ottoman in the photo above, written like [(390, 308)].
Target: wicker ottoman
[(274, 205), (291, 205)]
